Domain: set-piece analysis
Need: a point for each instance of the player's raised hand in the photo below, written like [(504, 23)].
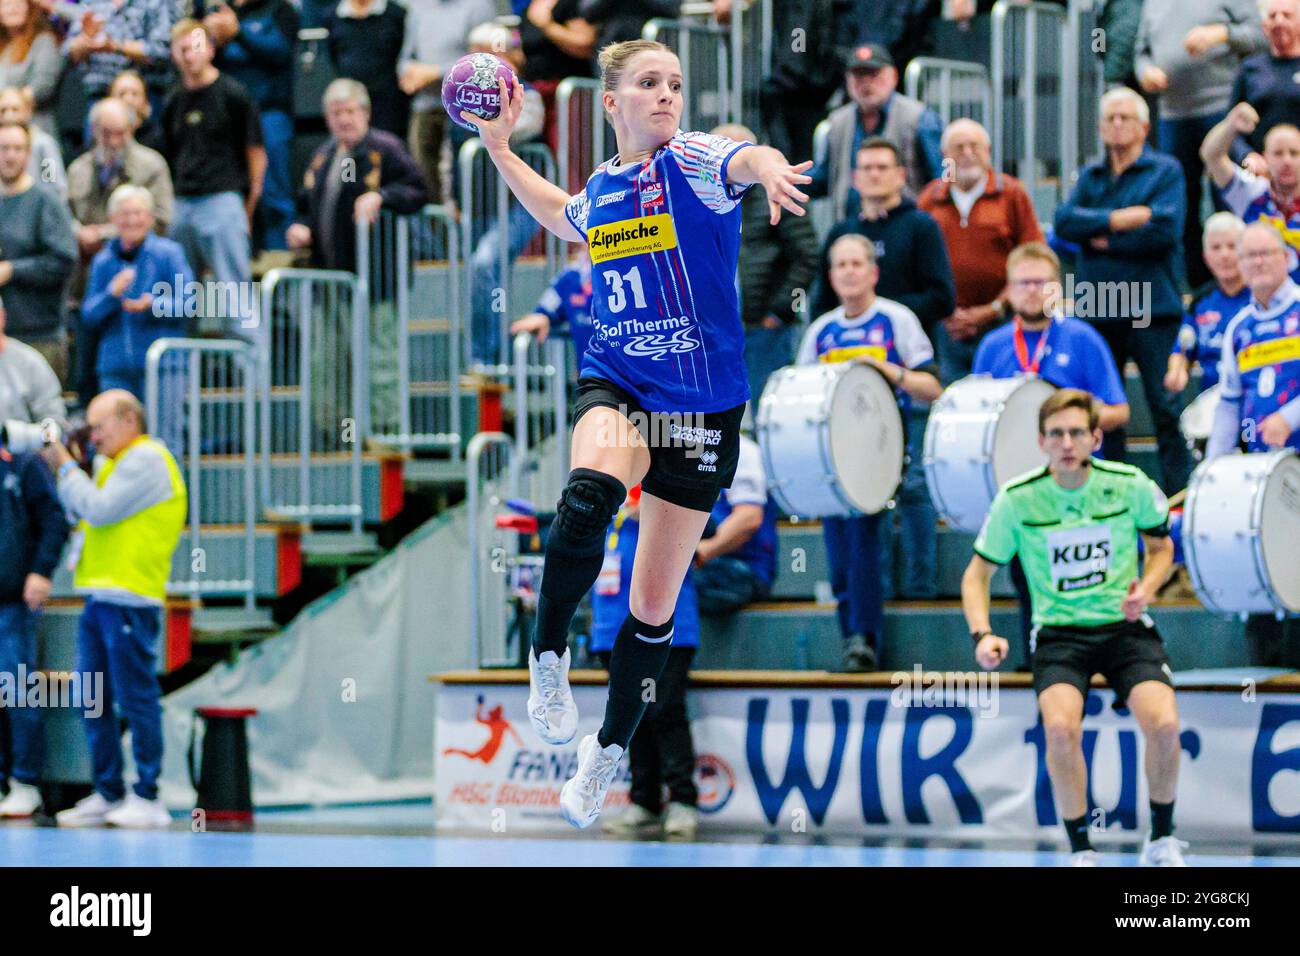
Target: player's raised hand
[(991, 651), (782, 182), (496, 133)]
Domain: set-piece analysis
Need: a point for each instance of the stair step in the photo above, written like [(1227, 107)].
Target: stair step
[(340, 548), (225, 625), (434, 471), (806, 636)]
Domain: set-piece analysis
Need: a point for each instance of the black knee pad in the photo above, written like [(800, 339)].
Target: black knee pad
[(586, 506)]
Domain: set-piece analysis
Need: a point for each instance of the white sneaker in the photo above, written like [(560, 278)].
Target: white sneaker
[(635, 820), (88, 812), (551, 706), (137, 813), (582, 796), (1085, 858), (1167, 851), (23, 801), (681, 821)]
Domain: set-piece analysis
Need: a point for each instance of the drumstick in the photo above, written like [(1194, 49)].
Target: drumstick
[(1177, 499)]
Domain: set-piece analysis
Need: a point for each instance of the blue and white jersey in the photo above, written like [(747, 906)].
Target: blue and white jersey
[(1260, 365), (567, 303), (664, 239), (1250, 197), (1200, 337), (888, 332)]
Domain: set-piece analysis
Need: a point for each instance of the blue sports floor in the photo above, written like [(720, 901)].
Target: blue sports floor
[(401, 835)]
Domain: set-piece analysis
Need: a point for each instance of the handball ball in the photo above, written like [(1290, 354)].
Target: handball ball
[(471, 85)]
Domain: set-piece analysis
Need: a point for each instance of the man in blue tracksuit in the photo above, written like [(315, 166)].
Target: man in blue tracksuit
[(662, 753), (34, 530)]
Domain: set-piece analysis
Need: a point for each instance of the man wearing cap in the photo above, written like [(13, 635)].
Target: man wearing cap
[(876, 109)]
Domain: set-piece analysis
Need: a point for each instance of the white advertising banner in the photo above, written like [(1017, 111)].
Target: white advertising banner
[(955, 761)]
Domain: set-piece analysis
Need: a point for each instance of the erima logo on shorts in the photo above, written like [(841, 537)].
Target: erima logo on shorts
[(608, 198), (693, 433)]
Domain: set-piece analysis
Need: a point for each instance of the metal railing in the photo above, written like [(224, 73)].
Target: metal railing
[(491, 477), (702, 48), (491, 248), (314, 400), (541, 399), (749, 52), (500, 467), (584, 135), (751, 59), (954, 89), (1082, 138), (409, 286), (200, 401), (1047, 85), (1028, 57)]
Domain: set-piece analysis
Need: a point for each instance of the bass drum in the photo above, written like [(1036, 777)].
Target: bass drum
[(1197, 420), (1241, 525), (832, 439), (982, 432)]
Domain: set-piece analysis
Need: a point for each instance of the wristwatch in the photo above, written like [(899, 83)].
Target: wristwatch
[(978, 636)]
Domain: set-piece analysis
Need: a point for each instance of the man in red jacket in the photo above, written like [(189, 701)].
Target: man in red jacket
[(983, 214)]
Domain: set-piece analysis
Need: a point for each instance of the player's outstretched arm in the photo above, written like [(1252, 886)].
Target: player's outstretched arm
[(544, 200), (768, 166)]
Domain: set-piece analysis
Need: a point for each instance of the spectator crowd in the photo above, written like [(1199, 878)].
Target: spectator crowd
[(186, 159)]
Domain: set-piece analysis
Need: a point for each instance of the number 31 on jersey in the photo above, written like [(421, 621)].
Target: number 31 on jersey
[(618, 282)]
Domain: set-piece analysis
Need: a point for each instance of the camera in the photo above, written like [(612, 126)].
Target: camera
[(19, 436)]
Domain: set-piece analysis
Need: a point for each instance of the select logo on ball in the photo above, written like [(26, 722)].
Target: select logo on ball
[(471, 86)]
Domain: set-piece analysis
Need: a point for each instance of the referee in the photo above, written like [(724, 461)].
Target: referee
[(1074, 523)]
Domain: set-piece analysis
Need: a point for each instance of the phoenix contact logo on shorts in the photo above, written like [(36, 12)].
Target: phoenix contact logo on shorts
[(631, 237), (608, 198), (692, 433)]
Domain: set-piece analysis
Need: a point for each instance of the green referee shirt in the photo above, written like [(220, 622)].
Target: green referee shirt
[(1078, 547)]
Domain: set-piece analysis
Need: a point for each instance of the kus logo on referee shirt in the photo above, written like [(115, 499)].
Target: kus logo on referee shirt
[(1080, 557), (631, 237)]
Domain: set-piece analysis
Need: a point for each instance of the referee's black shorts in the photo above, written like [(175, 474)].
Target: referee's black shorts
[(693, 456), (1125, 653)]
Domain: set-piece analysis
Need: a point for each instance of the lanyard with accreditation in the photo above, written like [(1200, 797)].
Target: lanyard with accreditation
[(1022, 347)]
